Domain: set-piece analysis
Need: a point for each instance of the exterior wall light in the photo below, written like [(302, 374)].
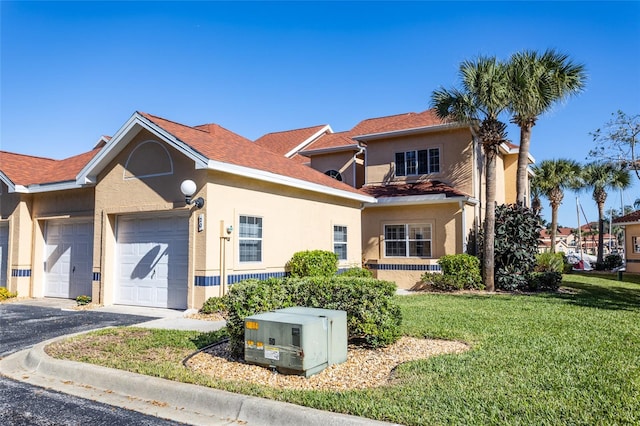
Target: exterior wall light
[(188, 188)]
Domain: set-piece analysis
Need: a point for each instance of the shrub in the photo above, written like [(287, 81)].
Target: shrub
[(312, 263), (6, 294), (83, 300), (612, 261), (441, 281), (373, 318), (356, 273), (214, 305), (550, 262), (463, 268), (545, 281), (516, 245)]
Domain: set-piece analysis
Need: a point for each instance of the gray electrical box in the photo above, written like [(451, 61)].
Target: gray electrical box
[(296, 340)]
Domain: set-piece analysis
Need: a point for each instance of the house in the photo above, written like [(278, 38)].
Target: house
[(426, 176), (566, 240), (631, 225), (113, 223), (165, 214)]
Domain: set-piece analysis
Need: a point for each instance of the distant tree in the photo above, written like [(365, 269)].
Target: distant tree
[(536, 82), (636, 204), (602, 177), (483, 97), (551, 178), (617, 142)]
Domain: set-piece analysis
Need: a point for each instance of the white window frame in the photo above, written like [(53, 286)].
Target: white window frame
[(252, 238), (341, 243), (635, 244), (407, 227), (411, 165)]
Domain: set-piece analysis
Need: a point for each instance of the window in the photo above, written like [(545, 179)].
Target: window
[(340, 242), (635, 241), (418, 162), (250, 239), (410, 240), (334, 174)]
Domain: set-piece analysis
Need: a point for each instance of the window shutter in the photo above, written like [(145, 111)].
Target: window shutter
[(400, 168)]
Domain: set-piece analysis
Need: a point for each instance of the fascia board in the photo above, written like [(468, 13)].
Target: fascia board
[(48, 187), (421, 200), (88, 174), (285, 180), (10, 185), (320, 151), (637, 222), (310, 139), (411, 131)]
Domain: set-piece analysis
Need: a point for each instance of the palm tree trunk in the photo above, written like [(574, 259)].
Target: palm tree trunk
[(554, 224), (600, 232), (490, 222), (523, 162)]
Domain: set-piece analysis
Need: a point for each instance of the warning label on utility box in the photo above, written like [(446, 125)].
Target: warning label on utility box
[(272, 352)]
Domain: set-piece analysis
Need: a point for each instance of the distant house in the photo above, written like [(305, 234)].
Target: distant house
[(631, 225)]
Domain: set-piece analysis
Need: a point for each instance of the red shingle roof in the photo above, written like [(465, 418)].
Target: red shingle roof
[(631, 217), (332, 140), (28, 170), (408, 189), (219, 144), (410, 120), (283, 142)]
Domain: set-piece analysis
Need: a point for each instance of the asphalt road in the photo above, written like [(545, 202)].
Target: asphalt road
[(21, 327)]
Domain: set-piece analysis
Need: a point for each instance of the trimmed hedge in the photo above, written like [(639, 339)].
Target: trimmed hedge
[(373, 317), (311, 263)]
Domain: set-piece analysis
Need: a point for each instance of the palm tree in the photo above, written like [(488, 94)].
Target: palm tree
[(602, 177), (537, 82), (551, 178), (483, 97)]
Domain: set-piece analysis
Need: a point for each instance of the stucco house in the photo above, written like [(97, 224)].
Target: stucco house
[(426, 176), (631, 225), (114, 224)]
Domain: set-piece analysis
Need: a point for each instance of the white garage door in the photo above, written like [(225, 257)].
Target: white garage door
[(152, 261), (68, 258), (4, 247)]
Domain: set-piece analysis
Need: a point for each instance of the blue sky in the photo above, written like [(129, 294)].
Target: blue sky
[(73, 71)]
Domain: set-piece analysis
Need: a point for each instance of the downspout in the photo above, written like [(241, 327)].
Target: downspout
[(464, 225)]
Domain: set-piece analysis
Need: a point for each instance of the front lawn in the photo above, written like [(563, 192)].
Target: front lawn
[(567, 358)]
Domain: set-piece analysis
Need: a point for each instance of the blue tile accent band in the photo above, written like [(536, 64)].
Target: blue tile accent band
[(21, 272), (232, 279), (402, 267), (97, 276), (206, 281)]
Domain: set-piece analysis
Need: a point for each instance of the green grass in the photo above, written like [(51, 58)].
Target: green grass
[(565, 358)]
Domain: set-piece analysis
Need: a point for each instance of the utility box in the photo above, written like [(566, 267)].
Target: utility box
[(301, 341)]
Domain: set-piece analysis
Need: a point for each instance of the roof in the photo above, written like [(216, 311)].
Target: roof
[(284, 142), (391, 123), (331, 142), (629, 219), (28, 170), (433, 187)]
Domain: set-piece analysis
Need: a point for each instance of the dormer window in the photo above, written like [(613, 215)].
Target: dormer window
[(418, 162), (334, 174)]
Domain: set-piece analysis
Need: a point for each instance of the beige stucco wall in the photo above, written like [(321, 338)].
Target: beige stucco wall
[(342, 162), (633, 259), (510, 164), (456, 158), (447, 236)]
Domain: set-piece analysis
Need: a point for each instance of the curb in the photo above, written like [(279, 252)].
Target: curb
[(164, 398)]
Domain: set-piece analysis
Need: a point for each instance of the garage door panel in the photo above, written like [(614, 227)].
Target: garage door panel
[(68, 258), (152, 261), (4, 250)]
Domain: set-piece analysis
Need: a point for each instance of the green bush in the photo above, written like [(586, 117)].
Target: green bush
[(356, 273), (550, 262), (313, 263), (6, 294), (463, 268), (441, 281), (545, 281), (612, 261), (83, 300), (373, 317), (214, 305)]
